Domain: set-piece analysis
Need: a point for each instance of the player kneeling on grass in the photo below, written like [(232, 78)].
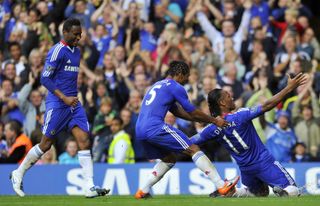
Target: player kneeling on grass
[(162, 141), (258, 167)]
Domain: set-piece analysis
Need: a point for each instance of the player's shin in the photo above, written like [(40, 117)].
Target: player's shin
[(205, 165), (86, 163), (32, 157), (156, 174)]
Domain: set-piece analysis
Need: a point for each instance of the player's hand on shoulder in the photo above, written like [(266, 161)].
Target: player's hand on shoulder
[(220, 122), (70, 101)]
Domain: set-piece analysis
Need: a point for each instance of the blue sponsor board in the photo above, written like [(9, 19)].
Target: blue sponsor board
[(184, 178)]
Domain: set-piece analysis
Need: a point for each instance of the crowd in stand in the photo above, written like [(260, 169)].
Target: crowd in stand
[(243, 46)]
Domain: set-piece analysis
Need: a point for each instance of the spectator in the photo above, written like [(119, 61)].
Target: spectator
[(81, 10), (201, 56), (280, 137), (18, 143), (31, 107), (260, 94), (228, 30), (102, 120), (307, 126), (70, 155), (3, 143), (287, 54), (289, 27), (120, 149), (299, 153), (9, 103), (128, 126)]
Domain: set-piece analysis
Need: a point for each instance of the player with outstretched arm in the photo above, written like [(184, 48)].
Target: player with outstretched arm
[(258, 167), (162, 141)]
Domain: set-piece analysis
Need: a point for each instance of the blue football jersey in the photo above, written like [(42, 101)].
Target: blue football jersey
[(240, 138), (160, 98), (62, 67)]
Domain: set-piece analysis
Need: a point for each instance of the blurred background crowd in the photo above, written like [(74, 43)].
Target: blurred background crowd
[(243, 46)]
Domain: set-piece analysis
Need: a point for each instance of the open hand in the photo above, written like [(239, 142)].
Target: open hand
[(296, 81)]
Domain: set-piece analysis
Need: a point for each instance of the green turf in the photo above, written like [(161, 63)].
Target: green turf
[(161, 200)]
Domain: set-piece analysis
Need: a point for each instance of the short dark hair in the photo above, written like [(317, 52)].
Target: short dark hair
[(213, 102), (69, 23), (14, 43), (178, 67), (117, 118), (15, 126)]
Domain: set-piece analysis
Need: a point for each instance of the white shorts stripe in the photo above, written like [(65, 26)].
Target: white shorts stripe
[(176, 136), (291, 181), (56, 52), (48, 118)]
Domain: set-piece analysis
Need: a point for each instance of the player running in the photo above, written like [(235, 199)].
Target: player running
[(258, 167), (63, 109), (161, 140)]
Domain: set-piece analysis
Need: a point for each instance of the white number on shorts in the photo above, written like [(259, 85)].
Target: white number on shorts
[(153, 94), (240, 140)]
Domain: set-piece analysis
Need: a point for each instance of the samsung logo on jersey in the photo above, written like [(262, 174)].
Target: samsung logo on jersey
[(71, 68)]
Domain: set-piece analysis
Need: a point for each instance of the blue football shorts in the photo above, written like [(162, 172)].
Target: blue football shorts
[(167, 140), (58, 119)]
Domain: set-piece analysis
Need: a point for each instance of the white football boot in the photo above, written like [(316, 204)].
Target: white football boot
[(96, 192), (16, 181)]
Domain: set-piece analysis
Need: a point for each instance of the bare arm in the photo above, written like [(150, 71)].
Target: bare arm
[(98, 12), (215, 12), (115, 28), (293, 83), (175, 18), (198, 116), (192, 10)]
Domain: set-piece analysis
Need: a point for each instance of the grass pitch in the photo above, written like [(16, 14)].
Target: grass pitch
[(161, 200)]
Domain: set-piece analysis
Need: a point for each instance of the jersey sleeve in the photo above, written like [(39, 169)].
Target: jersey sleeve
[(209, 132), (181, 96), (247, 114), (52, 63)]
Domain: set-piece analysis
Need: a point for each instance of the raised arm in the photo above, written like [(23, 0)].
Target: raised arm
[(24, 93), (293, 83), (214, 10), (211, 32), (98, 12)]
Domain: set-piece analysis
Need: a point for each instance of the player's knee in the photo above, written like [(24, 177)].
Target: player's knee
[(192, 150), (169, 159), (84, 143), (44, 146)]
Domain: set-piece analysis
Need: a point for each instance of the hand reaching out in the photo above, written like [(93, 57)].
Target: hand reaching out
[(296, 81)]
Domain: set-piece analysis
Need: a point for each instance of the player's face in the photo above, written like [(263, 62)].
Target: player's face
[(73, 36), (228, 100)]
